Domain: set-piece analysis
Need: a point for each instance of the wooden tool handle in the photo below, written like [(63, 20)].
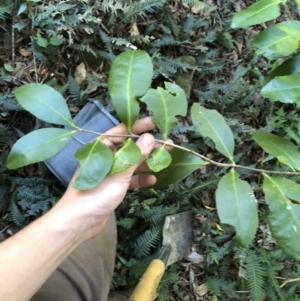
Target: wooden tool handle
[(146, 288)]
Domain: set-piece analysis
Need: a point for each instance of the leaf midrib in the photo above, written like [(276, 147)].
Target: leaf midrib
[(51, 108), (279, 41), (236, 199), (128, 87), (289, 157), (47, 141), (218, 136), (258, 12), (166, 130)]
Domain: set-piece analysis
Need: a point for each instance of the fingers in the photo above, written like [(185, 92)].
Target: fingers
[(140, 126), (142, 181), (143, 125), (146, 144)]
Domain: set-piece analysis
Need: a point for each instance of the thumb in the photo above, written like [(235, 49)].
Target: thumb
[(146, 145)]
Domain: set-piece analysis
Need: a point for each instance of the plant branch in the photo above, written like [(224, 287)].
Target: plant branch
[(227, 165), (289, 281)]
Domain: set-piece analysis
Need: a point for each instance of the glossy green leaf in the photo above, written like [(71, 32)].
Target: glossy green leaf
[(159, 159), (283, 219), (129, 77), (288, 67), (165, 105), (289, 188), (298, 6), (259, 12), (237, 206), (128, 155), (96, 160), (45, 103), (38, 146), (292, 28), (211, 123), (284, 150), (183, 163), (274, 43), (284, 88)]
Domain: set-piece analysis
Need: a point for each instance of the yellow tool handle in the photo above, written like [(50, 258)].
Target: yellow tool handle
[(146, 288)]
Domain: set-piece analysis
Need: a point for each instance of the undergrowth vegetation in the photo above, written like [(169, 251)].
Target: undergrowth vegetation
[(70, 45)]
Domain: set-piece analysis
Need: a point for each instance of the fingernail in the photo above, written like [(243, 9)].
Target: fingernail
[(147, 140)]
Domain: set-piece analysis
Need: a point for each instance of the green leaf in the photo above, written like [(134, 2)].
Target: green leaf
[(38, 146), (96, 160), (289, 188), (283, 219), (159, 159), (42, 42), (274, 43), (165, 105), (22, 8), (9, 68), (211, 123), (237, 206), (284, 88), (292, 28), (284, 150), (130, 77), (56, 41), (45, 103), (183, 163), (288, 67), (298, 6), (127, 156), (259, 12)]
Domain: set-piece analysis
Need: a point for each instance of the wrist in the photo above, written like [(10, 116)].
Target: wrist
[(78, 217)]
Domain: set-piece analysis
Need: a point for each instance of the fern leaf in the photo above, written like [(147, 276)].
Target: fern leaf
[(139, 8), (157, 214), (255, 275), (17, 216), (126, 223), (145, 242)]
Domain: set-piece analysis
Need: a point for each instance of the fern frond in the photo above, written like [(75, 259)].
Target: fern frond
[(181, 128), (272, 285), (32, 181), (145, 242), (170, 21), (17, 217), (76, 93), (255, 275), (112, 7), (198, 188), (126, 223), (157, 214), (139, 8)]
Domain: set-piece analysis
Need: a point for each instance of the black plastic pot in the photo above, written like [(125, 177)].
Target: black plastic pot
[(93, 117)]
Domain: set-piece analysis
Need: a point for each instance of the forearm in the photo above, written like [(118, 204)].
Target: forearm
[(28, 258)]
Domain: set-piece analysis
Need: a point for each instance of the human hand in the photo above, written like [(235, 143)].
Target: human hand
[(96, 205)]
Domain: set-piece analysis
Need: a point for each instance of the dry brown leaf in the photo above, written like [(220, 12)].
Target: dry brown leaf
[(73, 108), (25, 52), (201, 290), (134, 31), (80, 73), (197, 9)]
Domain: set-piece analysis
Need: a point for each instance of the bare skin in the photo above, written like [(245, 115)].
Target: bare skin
[(28, 258)]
